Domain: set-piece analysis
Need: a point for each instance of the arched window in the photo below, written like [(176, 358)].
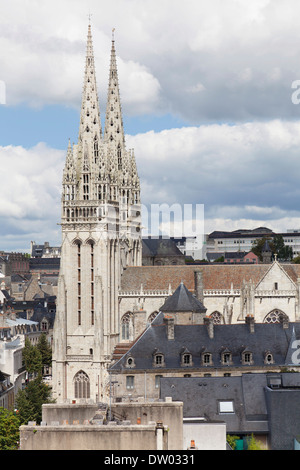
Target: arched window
[(119, 157), (126, 325), (96, 149), (216, 317), (81, 385), (276, 316), (151, 317)]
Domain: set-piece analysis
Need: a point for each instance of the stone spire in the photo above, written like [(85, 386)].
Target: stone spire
[(114, 129), (90, 132)]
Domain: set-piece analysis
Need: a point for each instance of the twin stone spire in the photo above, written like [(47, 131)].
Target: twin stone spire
[(98, 168)]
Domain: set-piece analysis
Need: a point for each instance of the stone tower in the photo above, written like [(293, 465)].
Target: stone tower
[(101, 234)]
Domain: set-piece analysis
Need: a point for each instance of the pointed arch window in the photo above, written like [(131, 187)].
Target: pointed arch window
[(81, 385), (119, 153), (216, 317), (276, 316), (96, 149), (126, 325), (152, 316)]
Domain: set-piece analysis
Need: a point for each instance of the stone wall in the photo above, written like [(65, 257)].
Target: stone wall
[(92, 437), (140, 425)]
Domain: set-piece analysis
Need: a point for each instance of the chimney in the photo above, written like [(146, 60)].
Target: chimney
[(210, 326), (285, 321), (169, 320), (198, 281), (250, 321)]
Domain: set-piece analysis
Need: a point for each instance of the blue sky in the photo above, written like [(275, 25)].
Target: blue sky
[(56, 124), (206, 92)]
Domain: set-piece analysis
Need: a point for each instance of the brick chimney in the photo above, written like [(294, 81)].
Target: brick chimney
[(250, 321), (169, 320), (198, 280)]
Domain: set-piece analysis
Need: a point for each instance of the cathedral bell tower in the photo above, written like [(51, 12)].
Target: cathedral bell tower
[(101, 234)]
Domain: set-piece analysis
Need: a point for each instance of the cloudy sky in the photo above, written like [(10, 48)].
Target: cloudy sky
[(210, 100)]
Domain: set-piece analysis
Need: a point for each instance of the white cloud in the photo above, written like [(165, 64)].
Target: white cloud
[(243, 170), (242, 56), (213, 62), (244, 175), (30, 194)]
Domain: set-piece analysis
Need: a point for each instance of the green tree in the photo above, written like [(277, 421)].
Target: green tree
[(283, 251), (232, 440), (32, 358), (277, 246), (30, 400), (258, 246), (253, 444), (45, 350), (9, 430)]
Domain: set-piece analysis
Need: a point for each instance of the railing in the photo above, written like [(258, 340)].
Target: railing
[(146, 293), (227, 292), (276, 293), (77, 357)]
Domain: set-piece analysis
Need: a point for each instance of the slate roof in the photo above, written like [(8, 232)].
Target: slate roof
[(214, 277), (44, 263), (201, 397), (259, 232), (182, 301), (195, 339), (41, 312), (160, 247), (258, 405)]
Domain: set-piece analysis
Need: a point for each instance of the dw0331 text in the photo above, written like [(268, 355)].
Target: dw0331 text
[(171, 459)]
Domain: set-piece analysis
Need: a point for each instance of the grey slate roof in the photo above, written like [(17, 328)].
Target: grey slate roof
[(258, 406), (160, 247), (235, 338), (283, 406), (201, 398), (182, 301)]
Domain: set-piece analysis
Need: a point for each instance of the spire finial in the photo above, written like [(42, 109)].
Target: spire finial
[(90, 17), (113, 34)]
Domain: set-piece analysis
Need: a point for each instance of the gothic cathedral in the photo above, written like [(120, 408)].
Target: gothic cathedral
[(101, 234)]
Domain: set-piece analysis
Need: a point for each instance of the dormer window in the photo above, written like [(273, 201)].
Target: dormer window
[(207, 359), (130, 362), (186, 359), (226, 358), (158, 360), (269, 358), (247, 358)]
